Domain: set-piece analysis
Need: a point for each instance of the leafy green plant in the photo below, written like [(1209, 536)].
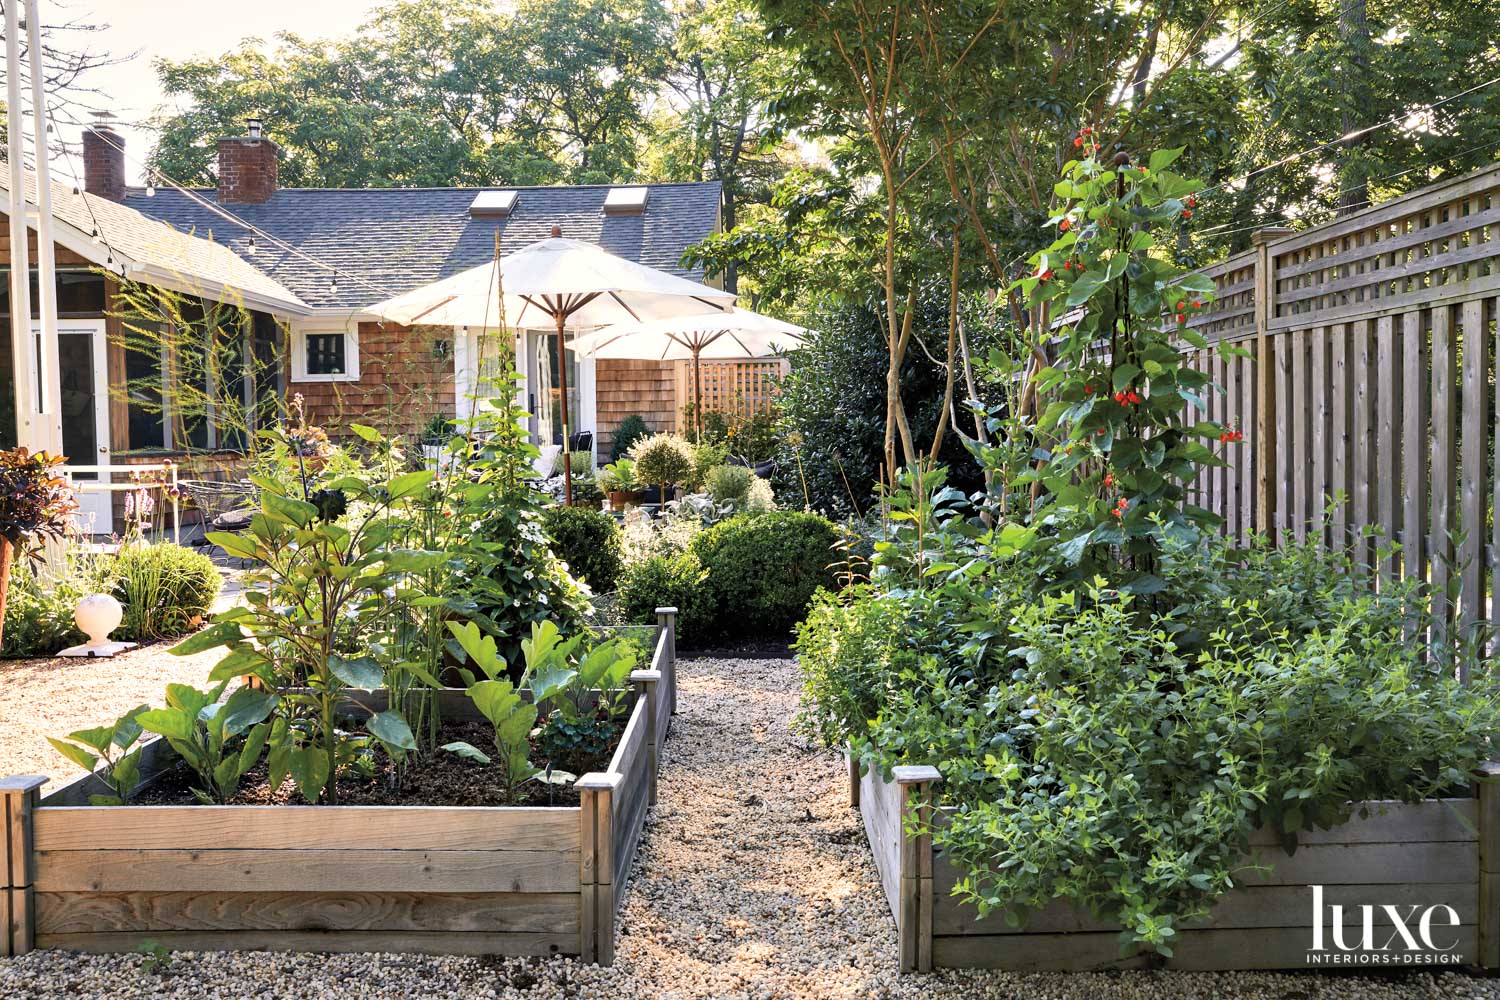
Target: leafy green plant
[(205, 732), (500, 701), (619, 475), (166, 590), (669, 580), (35, 506), (318, 579), (764, 569), (664, 459), (155, 958), (630, 430), (729, 484), (1120, 451), (109, 746), (588, 541), (706, 458)]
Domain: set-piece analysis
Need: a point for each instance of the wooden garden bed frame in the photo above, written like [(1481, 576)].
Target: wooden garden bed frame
[(431, 879), (1442, 851)]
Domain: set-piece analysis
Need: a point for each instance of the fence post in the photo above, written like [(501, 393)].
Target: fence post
[(596, 874), (666, 621), (915, 896), (648, 689), (19, 796), (1265, 443), (1487, 777)]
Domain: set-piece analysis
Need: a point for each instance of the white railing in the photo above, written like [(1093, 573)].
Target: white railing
[(166, 482)]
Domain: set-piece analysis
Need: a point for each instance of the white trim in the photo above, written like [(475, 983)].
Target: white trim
[(299, 334)]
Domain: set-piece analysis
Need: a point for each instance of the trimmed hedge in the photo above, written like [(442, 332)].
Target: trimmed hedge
[(763, 569), (588, 541)]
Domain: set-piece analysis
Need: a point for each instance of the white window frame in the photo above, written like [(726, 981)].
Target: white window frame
[(299, 352)]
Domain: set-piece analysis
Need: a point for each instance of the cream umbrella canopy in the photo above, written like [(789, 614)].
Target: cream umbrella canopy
[(719, 336), (559, 281)]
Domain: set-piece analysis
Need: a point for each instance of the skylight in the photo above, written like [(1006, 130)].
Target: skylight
[(493, 204), (626, 200)]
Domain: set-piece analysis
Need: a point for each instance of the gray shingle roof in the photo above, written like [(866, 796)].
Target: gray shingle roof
[(387, 241), (176, 258)]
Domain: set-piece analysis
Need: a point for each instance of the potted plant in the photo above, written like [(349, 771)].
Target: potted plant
[(618, 481), (435, 435), (663, 458)]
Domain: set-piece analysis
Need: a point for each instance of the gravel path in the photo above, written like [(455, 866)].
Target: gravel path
[(754, 882), (54, 697)]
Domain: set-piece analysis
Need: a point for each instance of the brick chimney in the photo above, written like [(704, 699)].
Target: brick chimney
[(103, 159), (247, 167)]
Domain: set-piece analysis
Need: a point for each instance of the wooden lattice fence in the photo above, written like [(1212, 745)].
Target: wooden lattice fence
[(741, 388), (1371, 375)]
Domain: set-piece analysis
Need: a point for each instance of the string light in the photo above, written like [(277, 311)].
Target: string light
[(151, 185), (250, 248), (333, 286)]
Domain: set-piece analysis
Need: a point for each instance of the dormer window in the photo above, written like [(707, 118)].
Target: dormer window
[(493, 204), (626, 200)]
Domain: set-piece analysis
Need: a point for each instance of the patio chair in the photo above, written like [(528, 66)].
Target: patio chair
[(225, 506)]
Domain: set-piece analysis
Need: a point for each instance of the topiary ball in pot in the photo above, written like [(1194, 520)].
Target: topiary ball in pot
[(663, 459), (763, 569)]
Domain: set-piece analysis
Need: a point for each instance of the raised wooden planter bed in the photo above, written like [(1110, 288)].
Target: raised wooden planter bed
[(1412, 856), (433, 879)]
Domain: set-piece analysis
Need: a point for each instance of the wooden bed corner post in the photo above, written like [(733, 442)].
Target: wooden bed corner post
[(666, 622), (596, 867), (1487, 777), (1265, 444), (648, 689), (853, 778), (915, 924), (18, 800)]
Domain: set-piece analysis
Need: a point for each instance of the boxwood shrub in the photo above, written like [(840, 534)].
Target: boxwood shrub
[(588, 541), (763, 569)]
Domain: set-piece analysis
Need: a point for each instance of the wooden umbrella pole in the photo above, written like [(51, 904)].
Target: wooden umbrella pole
[(697, 396), (562, 384)]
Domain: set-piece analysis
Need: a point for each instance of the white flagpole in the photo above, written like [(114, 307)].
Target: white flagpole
[(20, 259), (50, 423)]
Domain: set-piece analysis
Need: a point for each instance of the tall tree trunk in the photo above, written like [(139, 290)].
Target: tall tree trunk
[(1354, 32), (728, 213)]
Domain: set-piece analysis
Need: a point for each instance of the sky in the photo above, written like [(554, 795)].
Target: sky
[(176, 29)]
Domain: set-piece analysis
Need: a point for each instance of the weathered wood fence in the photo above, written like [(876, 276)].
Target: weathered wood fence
[(1371, 374)]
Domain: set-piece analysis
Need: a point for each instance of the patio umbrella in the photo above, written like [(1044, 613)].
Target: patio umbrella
[(718, 336), (563, 282)]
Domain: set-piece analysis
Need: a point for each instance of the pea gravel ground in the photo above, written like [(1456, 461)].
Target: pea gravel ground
[(753, 882)]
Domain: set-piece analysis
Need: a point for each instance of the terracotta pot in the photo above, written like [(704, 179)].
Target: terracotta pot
[(621, 499)]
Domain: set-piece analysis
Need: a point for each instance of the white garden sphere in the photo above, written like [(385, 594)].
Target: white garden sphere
[(97, 616)]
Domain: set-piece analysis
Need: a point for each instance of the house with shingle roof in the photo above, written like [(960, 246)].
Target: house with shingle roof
[(304, 265)]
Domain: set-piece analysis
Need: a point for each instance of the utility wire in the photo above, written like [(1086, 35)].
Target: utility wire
[(154, 174)]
